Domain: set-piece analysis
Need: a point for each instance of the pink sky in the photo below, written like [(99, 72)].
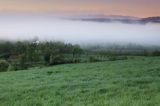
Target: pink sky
[(138, 8)]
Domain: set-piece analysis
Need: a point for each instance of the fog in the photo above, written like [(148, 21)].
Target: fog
[(77, 32)]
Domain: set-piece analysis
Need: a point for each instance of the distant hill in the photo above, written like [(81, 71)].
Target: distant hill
[(117, 18), (150, 19)]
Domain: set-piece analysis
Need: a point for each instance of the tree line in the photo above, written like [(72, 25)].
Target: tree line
[(23, 54)]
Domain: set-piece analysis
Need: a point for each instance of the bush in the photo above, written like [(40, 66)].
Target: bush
[(77, 60), (11, 68), (56, 59), (156, 53), (123, 58), (92, 59), (3, 65), (22, 62), (112, 58)]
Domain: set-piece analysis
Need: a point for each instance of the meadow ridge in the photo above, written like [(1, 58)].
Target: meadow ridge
[(132, 82), (79, 52)]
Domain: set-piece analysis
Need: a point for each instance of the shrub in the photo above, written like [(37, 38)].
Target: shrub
[(156, 53), (123, 58), (11, 68), (77, 60), (112, 58), (3, 65), (22, 62), (92, 59), (56, 59)]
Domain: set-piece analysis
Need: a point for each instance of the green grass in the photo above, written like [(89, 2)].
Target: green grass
[(132, 82)]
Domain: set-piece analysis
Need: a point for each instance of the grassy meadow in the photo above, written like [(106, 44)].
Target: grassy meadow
[(132, 82)]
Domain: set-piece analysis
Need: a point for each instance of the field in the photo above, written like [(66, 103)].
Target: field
[(132, 82)]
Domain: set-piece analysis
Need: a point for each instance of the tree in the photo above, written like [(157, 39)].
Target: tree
[(77, 51), (23, 60), (3, 65)]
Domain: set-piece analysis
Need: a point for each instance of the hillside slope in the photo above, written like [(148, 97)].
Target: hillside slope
[(133, 82)]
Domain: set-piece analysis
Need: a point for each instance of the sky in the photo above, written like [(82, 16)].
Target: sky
[(137, 8), (26, 19)]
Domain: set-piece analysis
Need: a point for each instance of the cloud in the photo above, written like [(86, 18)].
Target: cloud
[(77, 31)]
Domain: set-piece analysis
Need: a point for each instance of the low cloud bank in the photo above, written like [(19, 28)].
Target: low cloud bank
[(78, 32)]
